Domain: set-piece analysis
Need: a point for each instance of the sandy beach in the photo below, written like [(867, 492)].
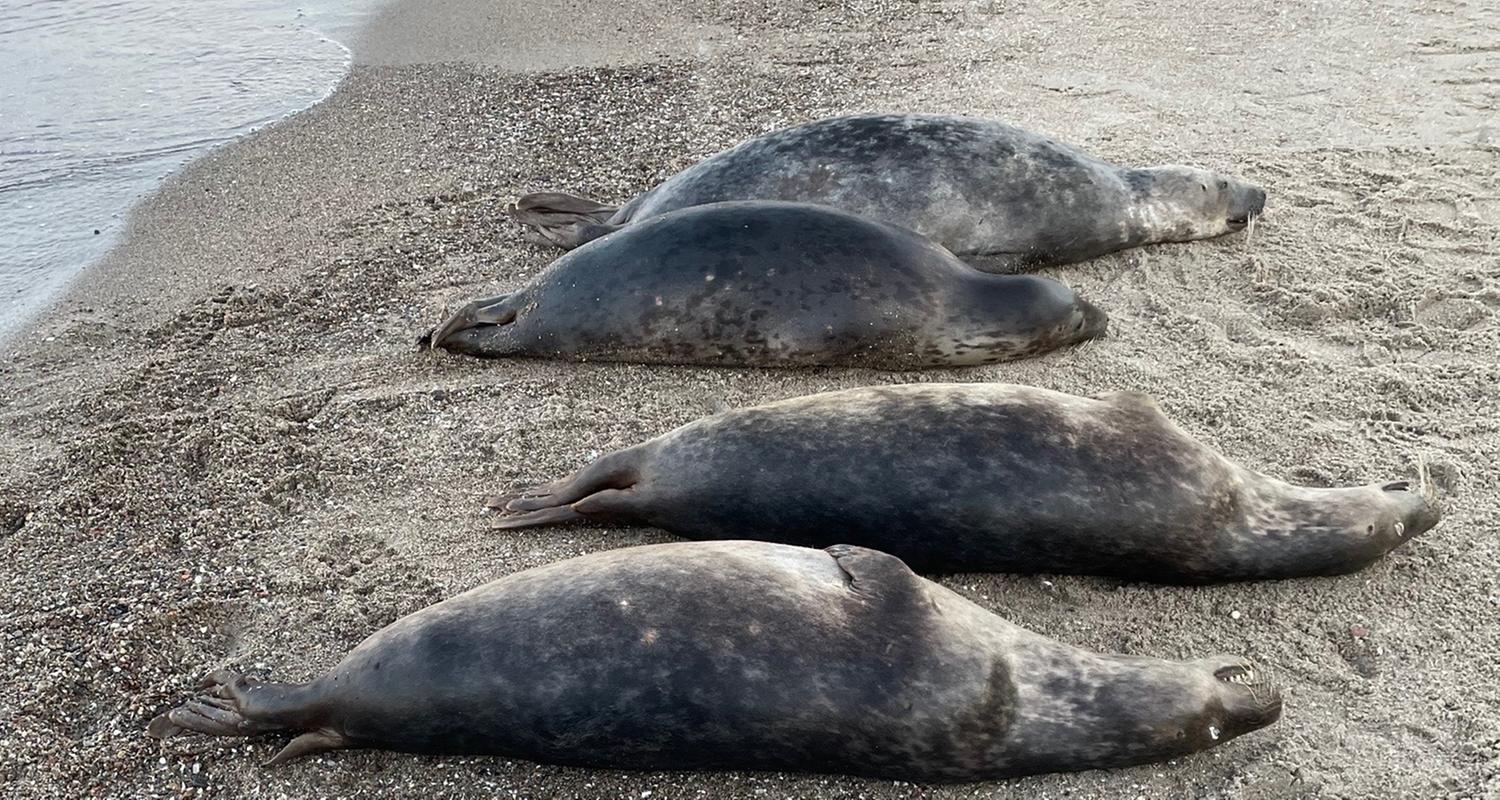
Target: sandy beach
[(222, 447)]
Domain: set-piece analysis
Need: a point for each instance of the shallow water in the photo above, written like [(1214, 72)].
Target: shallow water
[(101, 99)]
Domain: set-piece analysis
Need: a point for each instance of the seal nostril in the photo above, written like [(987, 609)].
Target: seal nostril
[(1398, 486)]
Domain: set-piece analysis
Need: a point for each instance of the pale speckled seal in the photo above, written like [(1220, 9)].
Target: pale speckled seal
[(985, 477), (771, 284), (741, 655), (977, 187)]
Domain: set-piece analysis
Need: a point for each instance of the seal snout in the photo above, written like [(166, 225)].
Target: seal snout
[(1250, 700), (1246, 203), (1094, 324), (1417, 511)]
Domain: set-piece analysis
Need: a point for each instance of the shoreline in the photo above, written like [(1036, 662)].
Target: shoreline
[(100, 185), (228, 450)]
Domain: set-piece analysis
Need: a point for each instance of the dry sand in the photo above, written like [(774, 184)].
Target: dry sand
[(222, 447)]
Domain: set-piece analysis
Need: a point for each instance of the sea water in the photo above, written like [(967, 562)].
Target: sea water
[(101, 99)]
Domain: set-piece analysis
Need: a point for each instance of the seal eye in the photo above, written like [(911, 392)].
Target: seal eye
[(1203, 186)]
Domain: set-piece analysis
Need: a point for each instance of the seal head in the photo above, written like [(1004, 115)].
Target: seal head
[(1140, 710), (1184, 204), (1326, 531)]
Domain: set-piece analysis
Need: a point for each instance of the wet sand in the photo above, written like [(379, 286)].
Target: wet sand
[(223, 448)]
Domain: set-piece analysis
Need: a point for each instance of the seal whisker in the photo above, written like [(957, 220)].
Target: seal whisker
[(1425, 483)]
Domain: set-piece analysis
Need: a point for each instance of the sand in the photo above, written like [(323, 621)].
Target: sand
[(222, 447)]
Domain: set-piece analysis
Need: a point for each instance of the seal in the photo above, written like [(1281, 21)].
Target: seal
[(985, 478), (771, 284), (651, 658), (978, 187)]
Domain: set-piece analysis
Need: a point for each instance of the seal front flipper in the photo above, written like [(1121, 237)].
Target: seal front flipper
[(873, 574), (564, 220), (499, 310)]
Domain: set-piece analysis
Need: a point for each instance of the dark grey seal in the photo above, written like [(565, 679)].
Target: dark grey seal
[(745, 656), (771, 284), (977, 187), (985, 477)]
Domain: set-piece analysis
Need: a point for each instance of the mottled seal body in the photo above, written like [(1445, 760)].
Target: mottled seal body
[(977, 187), (742, 655), (772, 284), (985, 477)]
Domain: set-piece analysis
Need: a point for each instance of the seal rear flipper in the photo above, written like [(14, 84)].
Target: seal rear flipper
[(569, 235), (999, 262), (560, 204), (540, 517), (233, 705), (604, 488), (210, 716), (564, 220), (498, 310)]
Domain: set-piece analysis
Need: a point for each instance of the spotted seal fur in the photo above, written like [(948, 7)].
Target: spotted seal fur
[(985, 477), (1006, 197), (744, 656), (771, 284)]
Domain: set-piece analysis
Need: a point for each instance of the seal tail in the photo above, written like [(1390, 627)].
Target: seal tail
[(499, 310), (604, 488), (234, 705), (563, 220)]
